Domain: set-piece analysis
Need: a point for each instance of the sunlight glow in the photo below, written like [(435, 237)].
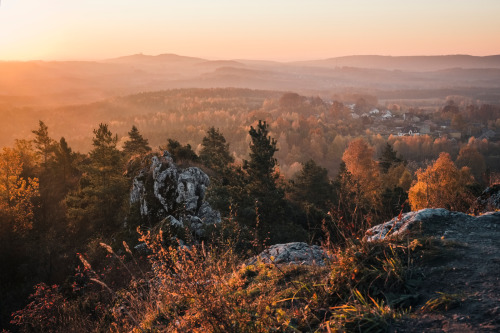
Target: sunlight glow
[(279, 29)]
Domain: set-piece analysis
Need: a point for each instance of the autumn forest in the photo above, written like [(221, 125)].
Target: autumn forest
[(283, 167)]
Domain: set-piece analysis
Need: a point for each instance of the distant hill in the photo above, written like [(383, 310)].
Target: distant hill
[(161, 58), (407, 63), (37, 83)]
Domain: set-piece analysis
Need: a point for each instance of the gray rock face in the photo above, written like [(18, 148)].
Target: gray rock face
[(191, 186), (297, 253), (435, 222), (164, 191), (490, 199)]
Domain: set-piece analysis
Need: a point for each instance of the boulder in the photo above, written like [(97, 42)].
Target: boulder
[(297, 253), (163, 191), (437, 222)]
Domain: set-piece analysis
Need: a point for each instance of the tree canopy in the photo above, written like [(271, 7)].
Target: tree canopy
[(441, 185)]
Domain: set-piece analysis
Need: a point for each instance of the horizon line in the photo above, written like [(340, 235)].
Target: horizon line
[(211, 58)]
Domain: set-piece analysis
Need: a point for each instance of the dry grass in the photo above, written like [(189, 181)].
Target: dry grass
[(202, 288)]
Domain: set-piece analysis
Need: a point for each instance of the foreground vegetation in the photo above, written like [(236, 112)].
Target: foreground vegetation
[(363, 287), (55, 203)]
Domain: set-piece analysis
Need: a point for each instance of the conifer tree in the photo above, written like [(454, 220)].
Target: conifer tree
[(263, 191), (312, 185), (98, 202), (64, 161), (136, 143), (179, 152), (43, 143), (215, 151), (388, 158), (262, 162)]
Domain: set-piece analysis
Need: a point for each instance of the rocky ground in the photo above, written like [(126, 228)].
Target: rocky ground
[(459, 278)]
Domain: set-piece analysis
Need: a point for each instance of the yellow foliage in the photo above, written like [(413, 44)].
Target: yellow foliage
[(16, 193), (440, 185)]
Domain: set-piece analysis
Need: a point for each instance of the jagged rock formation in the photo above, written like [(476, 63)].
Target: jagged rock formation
[(437, 222), (163, 191), (489, 200), (297, 253)]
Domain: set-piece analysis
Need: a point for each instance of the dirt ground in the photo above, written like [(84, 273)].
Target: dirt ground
[(466, 270)]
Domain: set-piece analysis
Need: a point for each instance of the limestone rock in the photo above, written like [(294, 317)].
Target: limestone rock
[(296, 253), (437, 222), (163, 191), (191, 186)]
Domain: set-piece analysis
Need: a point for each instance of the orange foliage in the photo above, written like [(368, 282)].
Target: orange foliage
[(441, 185)]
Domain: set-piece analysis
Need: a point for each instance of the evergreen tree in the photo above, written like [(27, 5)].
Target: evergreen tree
[(264, 194), (43, 143), (179, 152), (388, 158), (312, 185), (215, 151), (262, 162), (394, 183), (96, 206), (226, 186), (312, 191), (64, 162), (136, 143)]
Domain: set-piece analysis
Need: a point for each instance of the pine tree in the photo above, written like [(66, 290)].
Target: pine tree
[(312, 185), (64, 162), (263, 192), (388, 158), (226, 186), (136, 143), (394, 180), (98, 202), (179, 152), (43, 143), (262, 162), (215, 151)]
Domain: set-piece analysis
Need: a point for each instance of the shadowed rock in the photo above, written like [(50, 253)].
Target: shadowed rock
[(162, 190), (297, 253)]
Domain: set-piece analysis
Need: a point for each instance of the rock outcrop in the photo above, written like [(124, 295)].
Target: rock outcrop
[(437, 222), (297, 253), (163, 191), (489, 200)]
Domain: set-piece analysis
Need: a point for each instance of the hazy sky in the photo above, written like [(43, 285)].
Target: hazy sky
[(252, 29)]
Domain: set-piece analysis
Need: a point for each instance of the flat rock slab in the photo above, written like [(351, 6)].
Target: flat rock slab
[(296, 253)]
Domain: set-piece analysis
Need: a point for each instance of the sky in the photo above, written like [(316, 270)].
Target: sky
[(284, 30)]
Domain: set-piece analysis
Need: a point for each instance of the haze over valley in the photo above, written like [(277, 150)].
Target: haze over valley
[(52, 90)]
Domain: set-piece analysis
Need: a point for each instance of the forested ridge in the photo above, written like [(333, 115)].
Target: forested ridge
[(283, 167)]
